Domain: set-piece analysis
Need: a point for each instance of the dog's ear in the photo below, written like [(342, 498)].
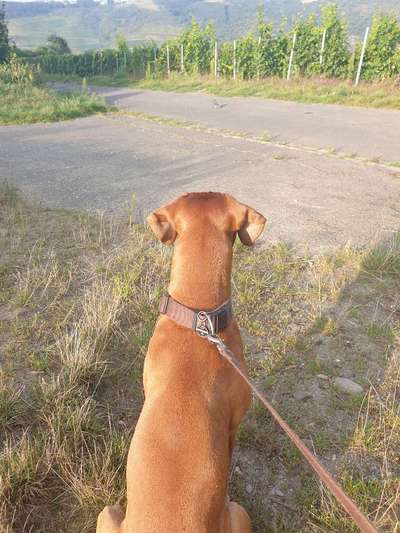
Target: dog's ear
[(162, 224), (250, 223)]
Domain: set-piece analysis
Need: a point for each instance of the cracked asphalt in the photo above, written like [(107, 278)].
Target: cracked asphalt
[(99, 163)]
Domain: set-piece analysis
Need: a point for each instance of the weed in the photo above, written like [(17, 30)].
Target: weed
[(29, 104), (11, 403), (383, 260), (377, 331), (322, 441), (265, 137), (325, 325)]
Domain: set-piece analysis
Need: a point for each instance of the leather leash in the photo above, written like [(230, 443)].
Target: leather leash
[(207, 324), (347, 503)]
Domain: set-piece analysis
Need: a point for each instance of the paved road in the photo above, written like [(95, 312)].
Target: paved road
[(99, 162), (370, 133)]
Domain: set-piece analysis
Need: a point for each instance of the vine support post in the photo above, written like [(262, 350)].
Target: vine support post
[(234, 59), (182, 60), (321, 54), (216, 59), (360, 63), (289, 72), (168, 63)]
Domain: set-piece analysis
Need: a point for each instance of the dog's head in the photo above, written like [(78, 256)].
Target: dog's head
[(199, 214)]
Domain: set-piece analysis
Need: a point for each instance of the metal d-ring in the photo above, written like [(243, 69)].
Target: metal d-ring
[(204, 324)]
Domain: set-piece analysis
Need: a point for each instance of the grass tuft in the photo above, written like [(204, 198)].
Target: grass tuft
[(383, 260), (29, 104)]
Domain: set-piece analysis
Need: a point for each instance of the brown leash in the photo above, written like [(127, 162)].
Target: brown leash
[(347, 503), (207, 324)]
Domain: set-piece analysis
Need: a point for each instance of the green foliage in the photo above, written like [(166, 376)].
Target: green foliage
[(198, 46), (307, 47), (132, 61), (57, 45), (198, 49), (226, 55), (261, 54), (120, 40), (336, 56), (257, 56), (272, 50), (4, 44), (23, 100), (382, 56), (247, 57), (15, 71), (26, 104)]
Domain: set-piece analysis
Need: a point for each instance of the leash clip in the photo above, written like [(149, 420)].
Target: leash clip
[(204, 325)]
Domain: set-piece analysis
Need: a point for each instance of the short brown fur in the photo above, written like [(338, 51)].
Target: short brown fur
[(179, 458)]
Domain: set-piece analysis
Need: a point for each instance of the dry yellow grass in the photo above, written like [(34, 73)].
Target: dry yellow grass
[(78, 302)]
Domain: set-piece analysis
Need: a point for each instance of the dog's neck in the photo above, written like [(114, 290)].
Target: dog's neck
[(201, 273)]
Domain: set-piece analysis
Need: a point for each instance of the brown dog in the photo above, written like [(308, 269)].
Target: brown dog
[(179, 458)]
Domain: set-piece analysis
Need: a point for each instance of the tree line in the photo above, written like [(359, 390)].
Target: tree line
[(317, 48), (4, 44)]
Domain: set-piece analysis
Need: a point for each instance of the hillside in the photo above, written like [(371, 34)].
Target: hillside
[(88, 25)]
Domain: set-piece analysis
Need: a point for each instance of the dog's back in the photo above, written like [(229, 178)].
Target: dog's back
[(179, 459)]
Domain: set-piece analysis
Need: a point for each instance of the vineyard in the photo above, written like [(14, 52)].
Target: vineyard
[(307, 49)]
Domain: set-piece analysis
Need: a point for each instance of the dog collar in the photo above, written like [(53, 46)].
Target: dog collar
[(202, 322)]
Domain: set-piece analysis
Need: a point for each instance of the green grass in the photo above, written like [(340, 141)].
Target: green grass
[(319, 90), (315, 90), (29, 104)]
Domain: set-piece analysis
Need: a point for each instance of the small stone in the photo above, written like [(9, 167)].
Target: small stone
[(322, 376), (237, 470), (249, 488), (278, 492), (347, 386), (301, 395)]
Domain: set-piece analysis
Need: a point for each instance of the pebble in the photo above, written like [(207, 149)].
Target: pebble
[(348, 386), (302, 394), (249, 488), (237, 470), (322, 376)]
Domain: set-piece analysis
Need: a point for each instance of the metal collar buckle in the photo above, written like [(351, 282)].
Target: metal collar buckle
[(204, 324)]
